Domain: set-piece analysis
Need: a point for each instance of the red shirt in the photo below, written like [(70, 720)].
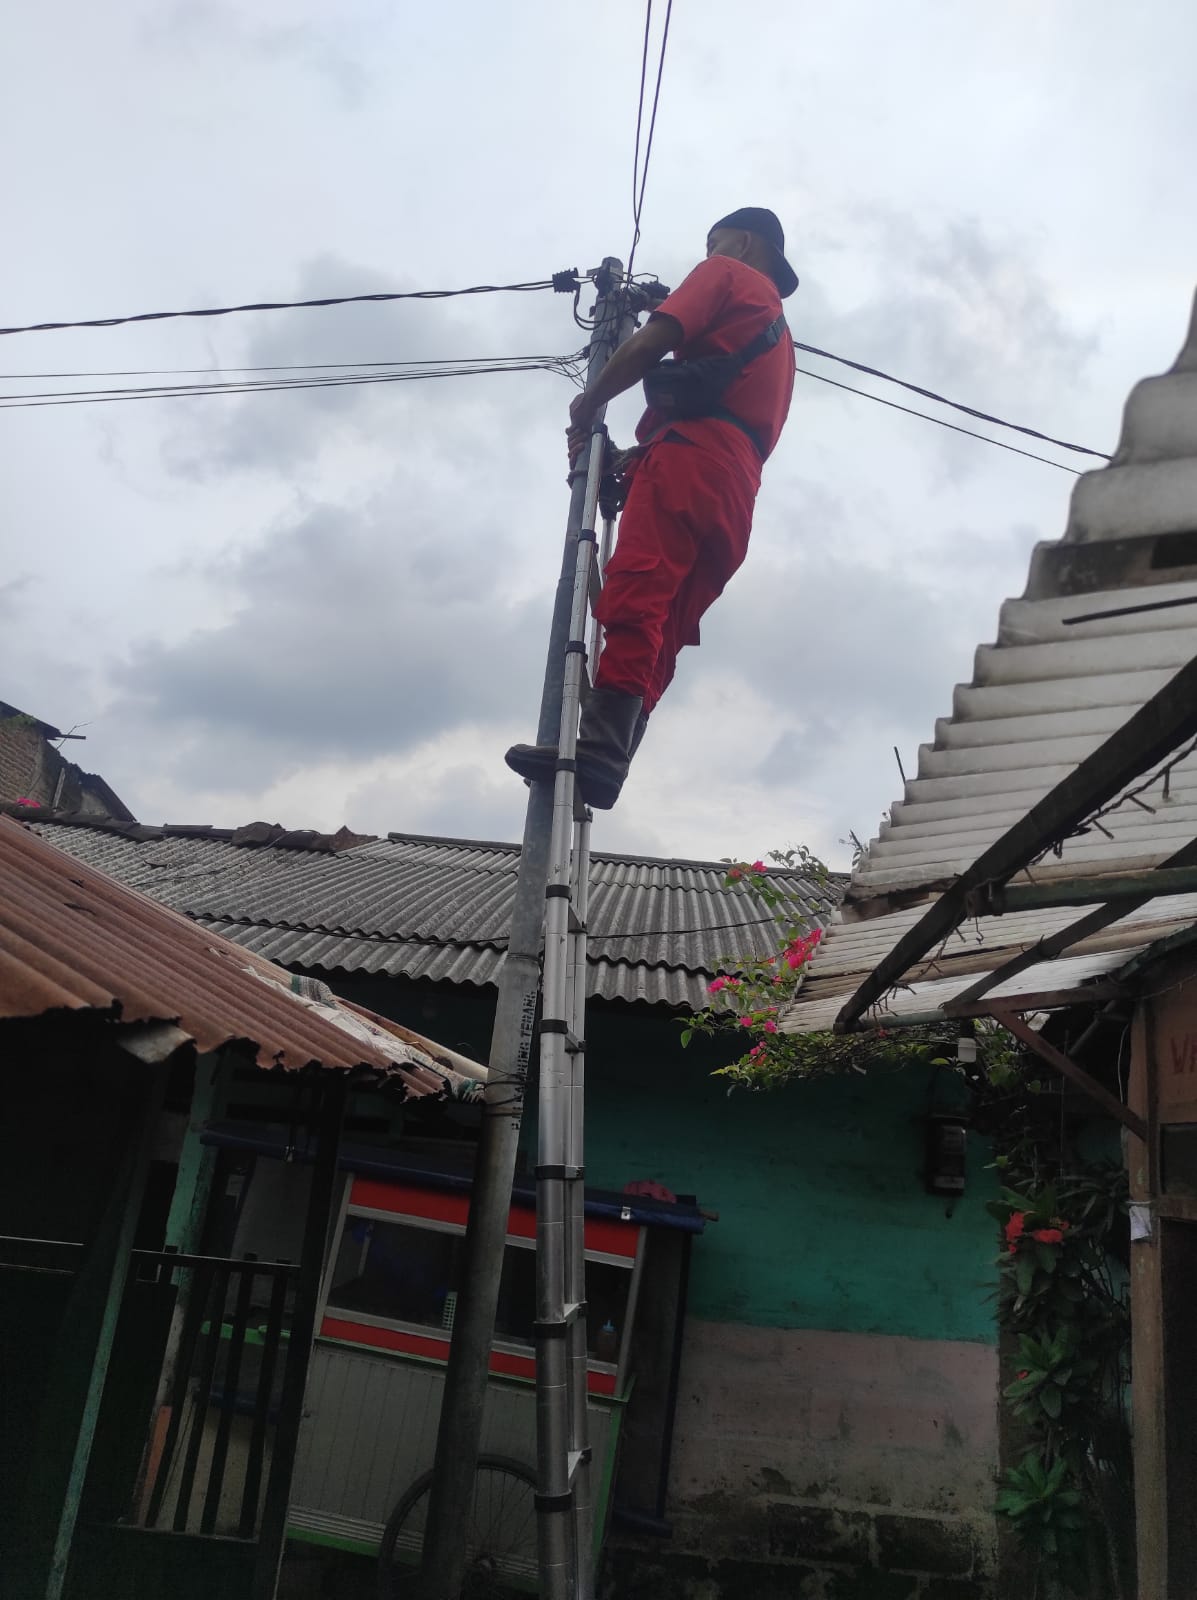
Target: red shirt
[(721, 307)]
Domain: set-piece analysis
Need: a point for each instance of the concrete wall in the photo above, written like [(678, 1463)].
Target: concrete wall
[(836, 1431), (828, 1463)]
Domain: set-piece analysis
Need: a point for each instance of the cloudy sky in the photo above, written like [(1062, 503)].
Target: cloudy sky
[(330, 606)]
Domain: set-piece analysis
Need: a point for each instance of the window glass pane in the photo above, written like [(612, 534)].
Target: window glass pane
[(606, 1307), (394, 1270), (405, 1273)]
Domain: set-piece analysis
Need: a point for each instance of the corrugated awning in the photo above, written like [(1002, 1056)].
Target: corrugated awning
[(72, 940)]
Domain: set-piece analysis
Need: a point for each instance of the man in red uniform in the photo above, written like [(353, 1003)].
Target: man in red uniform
[(693, 482)]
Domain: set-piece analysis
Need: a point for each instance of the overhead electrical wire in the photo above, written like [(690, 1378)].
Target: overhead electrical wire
[(927, 417), (956, 405), (566, 366), (298, 305), (639, 173), (301, 366)]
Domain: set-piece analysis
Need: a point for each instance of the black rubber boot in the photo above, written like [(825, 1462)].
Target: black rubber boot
[(606, 743), (611, 728)]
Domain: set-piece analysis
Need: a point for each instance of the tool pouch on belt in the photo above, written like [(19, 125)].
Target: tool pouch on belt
[(683, 390)]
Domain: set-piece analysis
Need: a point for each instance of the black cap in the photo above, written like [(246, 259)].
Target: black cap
[(755, 219)]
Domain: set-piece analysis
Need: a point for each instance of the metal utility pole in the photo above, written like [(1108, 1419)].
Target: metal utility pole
[(444, 1556)]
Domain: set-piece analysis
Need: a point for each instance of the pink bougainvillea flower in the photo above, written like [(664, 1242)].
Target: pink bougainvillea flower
[(746, 1022), (23, 800), (758, 866), (734, 874), (717, 984), (770, 1026), (1014, 1228), (757, 1051), (1048, 1235), (1024, 1373)]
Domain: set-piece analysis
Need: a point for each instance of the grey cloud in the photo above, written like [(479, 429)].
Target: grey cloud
[(464, 802), (832, 645), (197, 27), (351, 639), (11, 591), (953, 308), (271, 432), (798, 751)]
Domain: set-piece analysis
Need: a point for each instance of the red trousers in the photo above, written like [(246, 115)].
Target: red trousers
[(683, 532)]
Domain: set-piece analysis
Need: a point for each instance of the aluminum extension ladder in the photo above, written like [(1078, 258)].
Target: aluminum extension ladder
[(565, 1496)]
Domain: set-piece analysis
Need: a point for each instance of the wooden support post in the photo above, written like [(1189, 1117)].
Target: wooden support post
[(1147, 1332), (1021, 1029), (330, 1095), (67, 1424)]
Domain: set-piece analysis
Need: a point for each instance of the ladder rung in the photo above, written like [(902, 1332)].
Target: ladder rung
[(554, 1327)]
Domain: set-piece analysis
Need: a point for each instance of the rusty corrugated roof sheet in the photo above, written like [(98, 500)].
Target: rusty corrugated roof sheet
[(72, 939)]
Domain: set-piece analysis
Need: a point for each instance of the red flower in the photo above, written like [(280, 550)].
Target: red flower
[(758, 866), (1024, 1373), (735, 874), (769, 1027), (1048, 1235), (1014, 1228)]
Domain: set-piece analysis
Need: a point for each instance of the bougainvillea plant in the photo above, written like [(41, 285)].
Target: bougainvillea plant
[(750, 998)]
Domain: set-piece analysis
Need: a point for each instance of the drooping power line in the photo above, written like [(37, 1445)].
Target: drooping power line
[(956, 405), (557, 282), (927, 417)]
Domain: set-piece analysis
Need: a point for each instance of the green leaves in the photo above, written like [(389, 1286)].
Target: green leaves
[(1041, 1497), (1059, 1297)]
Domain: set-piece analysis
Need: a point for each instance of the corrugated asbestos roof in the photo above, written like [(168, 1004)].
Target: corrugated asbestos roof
[(72, 939), (1044, 696), (439, 908)]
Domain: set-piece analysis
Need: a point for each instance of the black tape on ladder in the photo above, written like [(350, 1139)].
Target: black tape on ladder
[(554, 1502)]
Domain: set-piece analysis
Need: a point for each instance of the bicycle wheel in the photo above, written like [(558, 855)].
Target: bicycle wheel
[(500, 1532)]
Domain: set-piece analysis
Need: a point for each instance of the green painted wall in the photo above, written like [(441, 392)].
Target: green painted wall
[(824, 1222)]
